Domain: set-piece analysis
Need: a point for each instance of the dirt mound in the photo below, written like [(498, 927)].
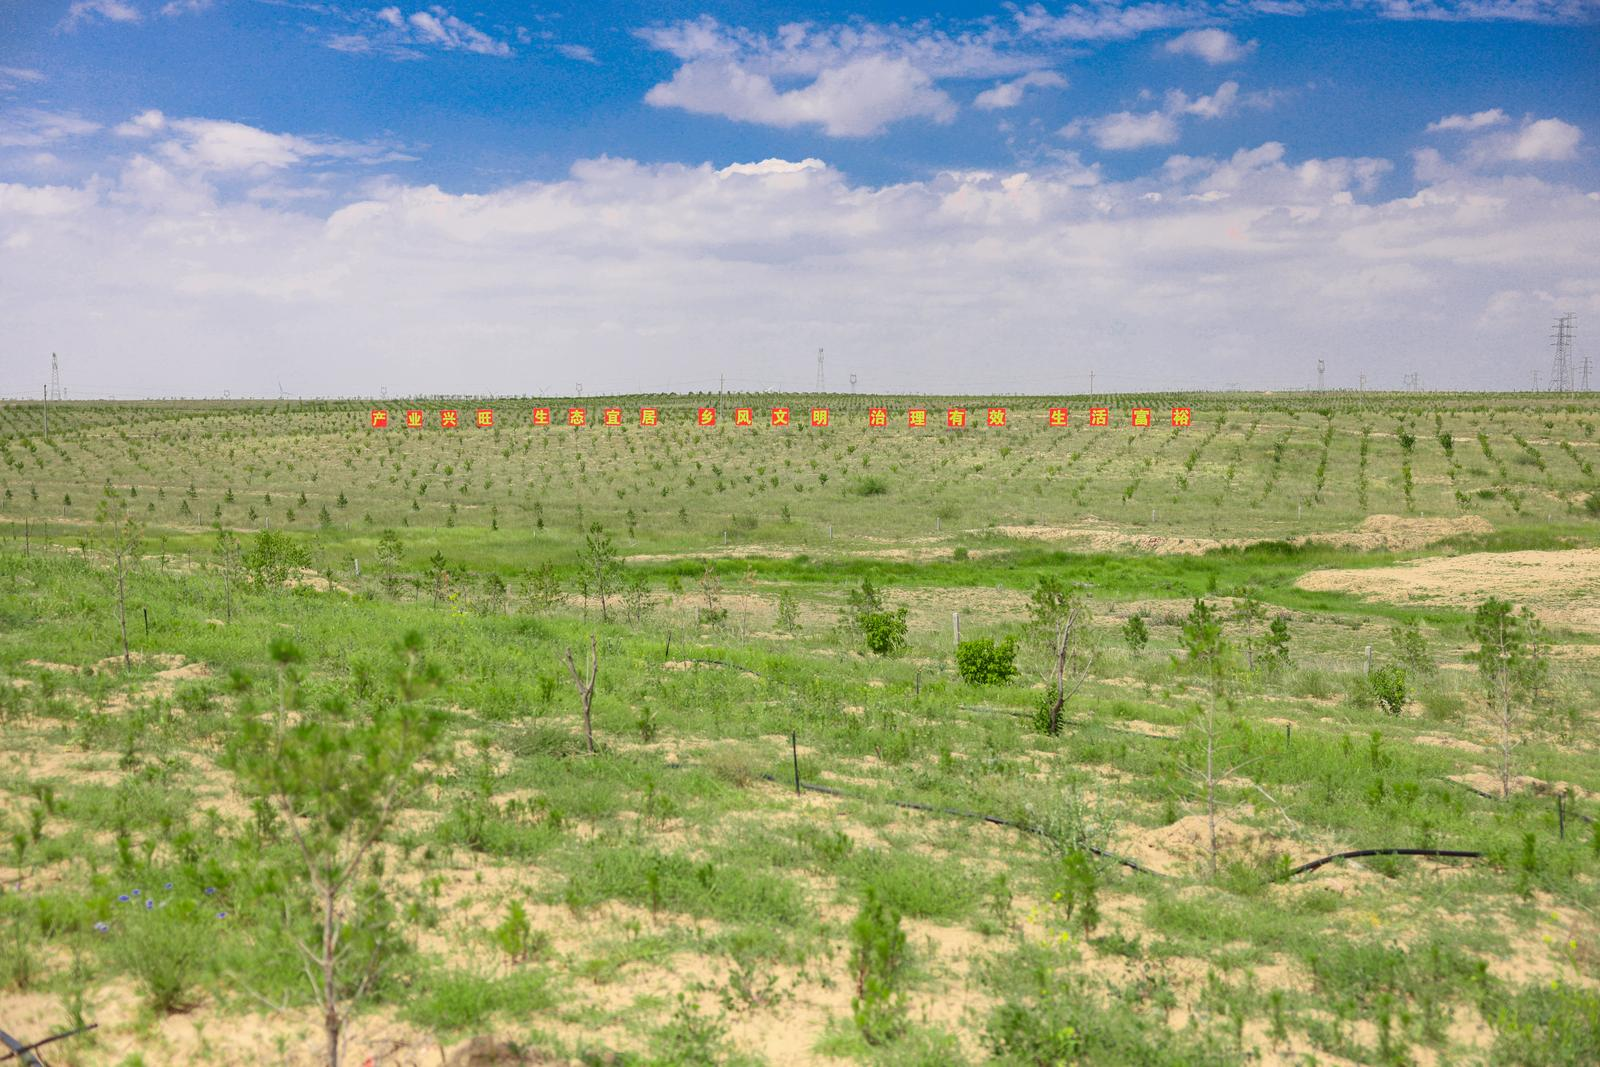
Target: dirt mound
[(1388, 533), (1399, 533), (1561, 587), (1186, 843)]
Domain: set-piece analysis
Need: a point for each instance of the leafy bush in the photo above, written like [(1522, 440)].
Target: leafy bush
[(870, 486), (982, 662), (885, 631), (1136, 633), (877, 958), (1388, 685)]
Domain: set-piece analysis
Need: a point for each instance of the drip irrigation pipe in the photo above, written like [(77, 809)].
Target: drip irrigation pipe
[(911, 805)]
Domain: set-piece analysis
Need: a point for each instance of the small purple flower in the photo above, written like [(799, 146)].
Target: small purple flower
[(167, 886), (102, 928), (148, 904), (210, 889), (123, 899), (136, 892), (222, 915)]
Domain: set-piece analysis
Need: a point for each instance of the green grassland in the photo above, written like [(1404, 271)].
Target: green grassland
[(289, 574)]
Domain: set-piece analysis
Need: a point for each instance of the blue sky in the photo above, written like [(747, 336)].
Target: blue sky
[(198, 194)]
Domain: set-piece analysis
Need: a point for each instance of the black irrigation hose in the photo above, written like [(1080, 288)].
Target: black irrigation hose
[(1445, 853), (1569, 813), (912, 805), (1453, 853), (25, 1052)]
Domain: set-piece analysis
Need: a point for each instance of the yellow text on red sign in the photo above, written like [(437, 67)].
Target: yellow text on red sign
[(541, 416), (414, 419), (997, 417), (577, 416), (707, 417), (611, 417), (1181, 417), (380, 418), (1141, 417), (649, 416), (744, 416), (1099, 416), (819, 416), (917, 418), (780, 416), (485, 417), (956, 418), (877, 416), (1058, 416), (449, 419)]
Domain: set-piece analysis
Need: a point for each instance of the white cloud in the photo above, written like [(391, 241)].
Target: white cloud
[(218, 146), (1107, 21), (1124, 130), (851, 80), (1215, 106), (857, 99), (83, 11), (31, 127), (144, 124), (1537, 141), (12, 77), (578, 52), (1475, 121), (1212, 45), (1554, 11), (186, 7), (1009, 93), (647, 274), (391, 33)]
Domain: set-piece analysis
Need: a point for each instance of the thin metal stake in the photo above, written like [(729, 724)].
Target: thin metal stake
[(794, 751)]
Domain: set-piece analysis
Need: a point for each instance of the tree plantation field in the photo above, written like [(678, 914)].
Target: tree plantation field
[(336, 744)]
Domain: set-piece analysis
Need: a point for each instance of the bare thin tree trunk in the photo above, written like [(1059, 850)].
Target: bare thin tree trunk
[(122, 610), (331, 1023), (586, 690), (1211, 786)]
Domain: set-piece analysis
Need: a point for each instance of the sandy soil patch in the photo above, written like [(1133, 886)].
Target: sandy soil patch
[(1561, 587), (1392, 533)]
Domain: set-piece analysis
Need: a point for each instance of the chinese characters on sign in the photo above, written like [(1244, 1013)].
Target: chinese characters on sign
[(877, 417)]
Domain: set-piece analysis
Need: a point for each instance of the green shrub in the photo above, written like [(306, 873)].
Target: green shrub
[(885, 631), (982, 662), (1136, 633), (1388, 685), (877, 959)]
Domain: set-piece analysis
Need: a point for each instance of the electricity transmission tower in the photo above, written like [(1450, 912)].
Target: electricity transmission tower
[(852, 383), (1561, 367), (1585, 368), (819, 370), (1322, 366), (55, 377), (1412, 381)]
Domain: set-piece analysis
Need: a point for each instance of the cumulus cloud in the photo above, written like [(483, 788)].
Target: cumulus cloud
[(30, 127), (851, 80), (857, 99), (84, 11), (1214, 266), (1124, 130), (220, 146), (578, 52), (1535, 141), (13, 77), (1212, 45), (1475, 121), (186, 7), (392, 33), (1009, 94)]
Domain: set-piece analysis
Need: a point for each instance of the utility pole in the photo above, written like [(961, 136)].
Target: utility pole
[(55, 376), (47, 411), (1561, 367), (819, 370), (1322, 365), (1091, 383), (1363, 385)]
